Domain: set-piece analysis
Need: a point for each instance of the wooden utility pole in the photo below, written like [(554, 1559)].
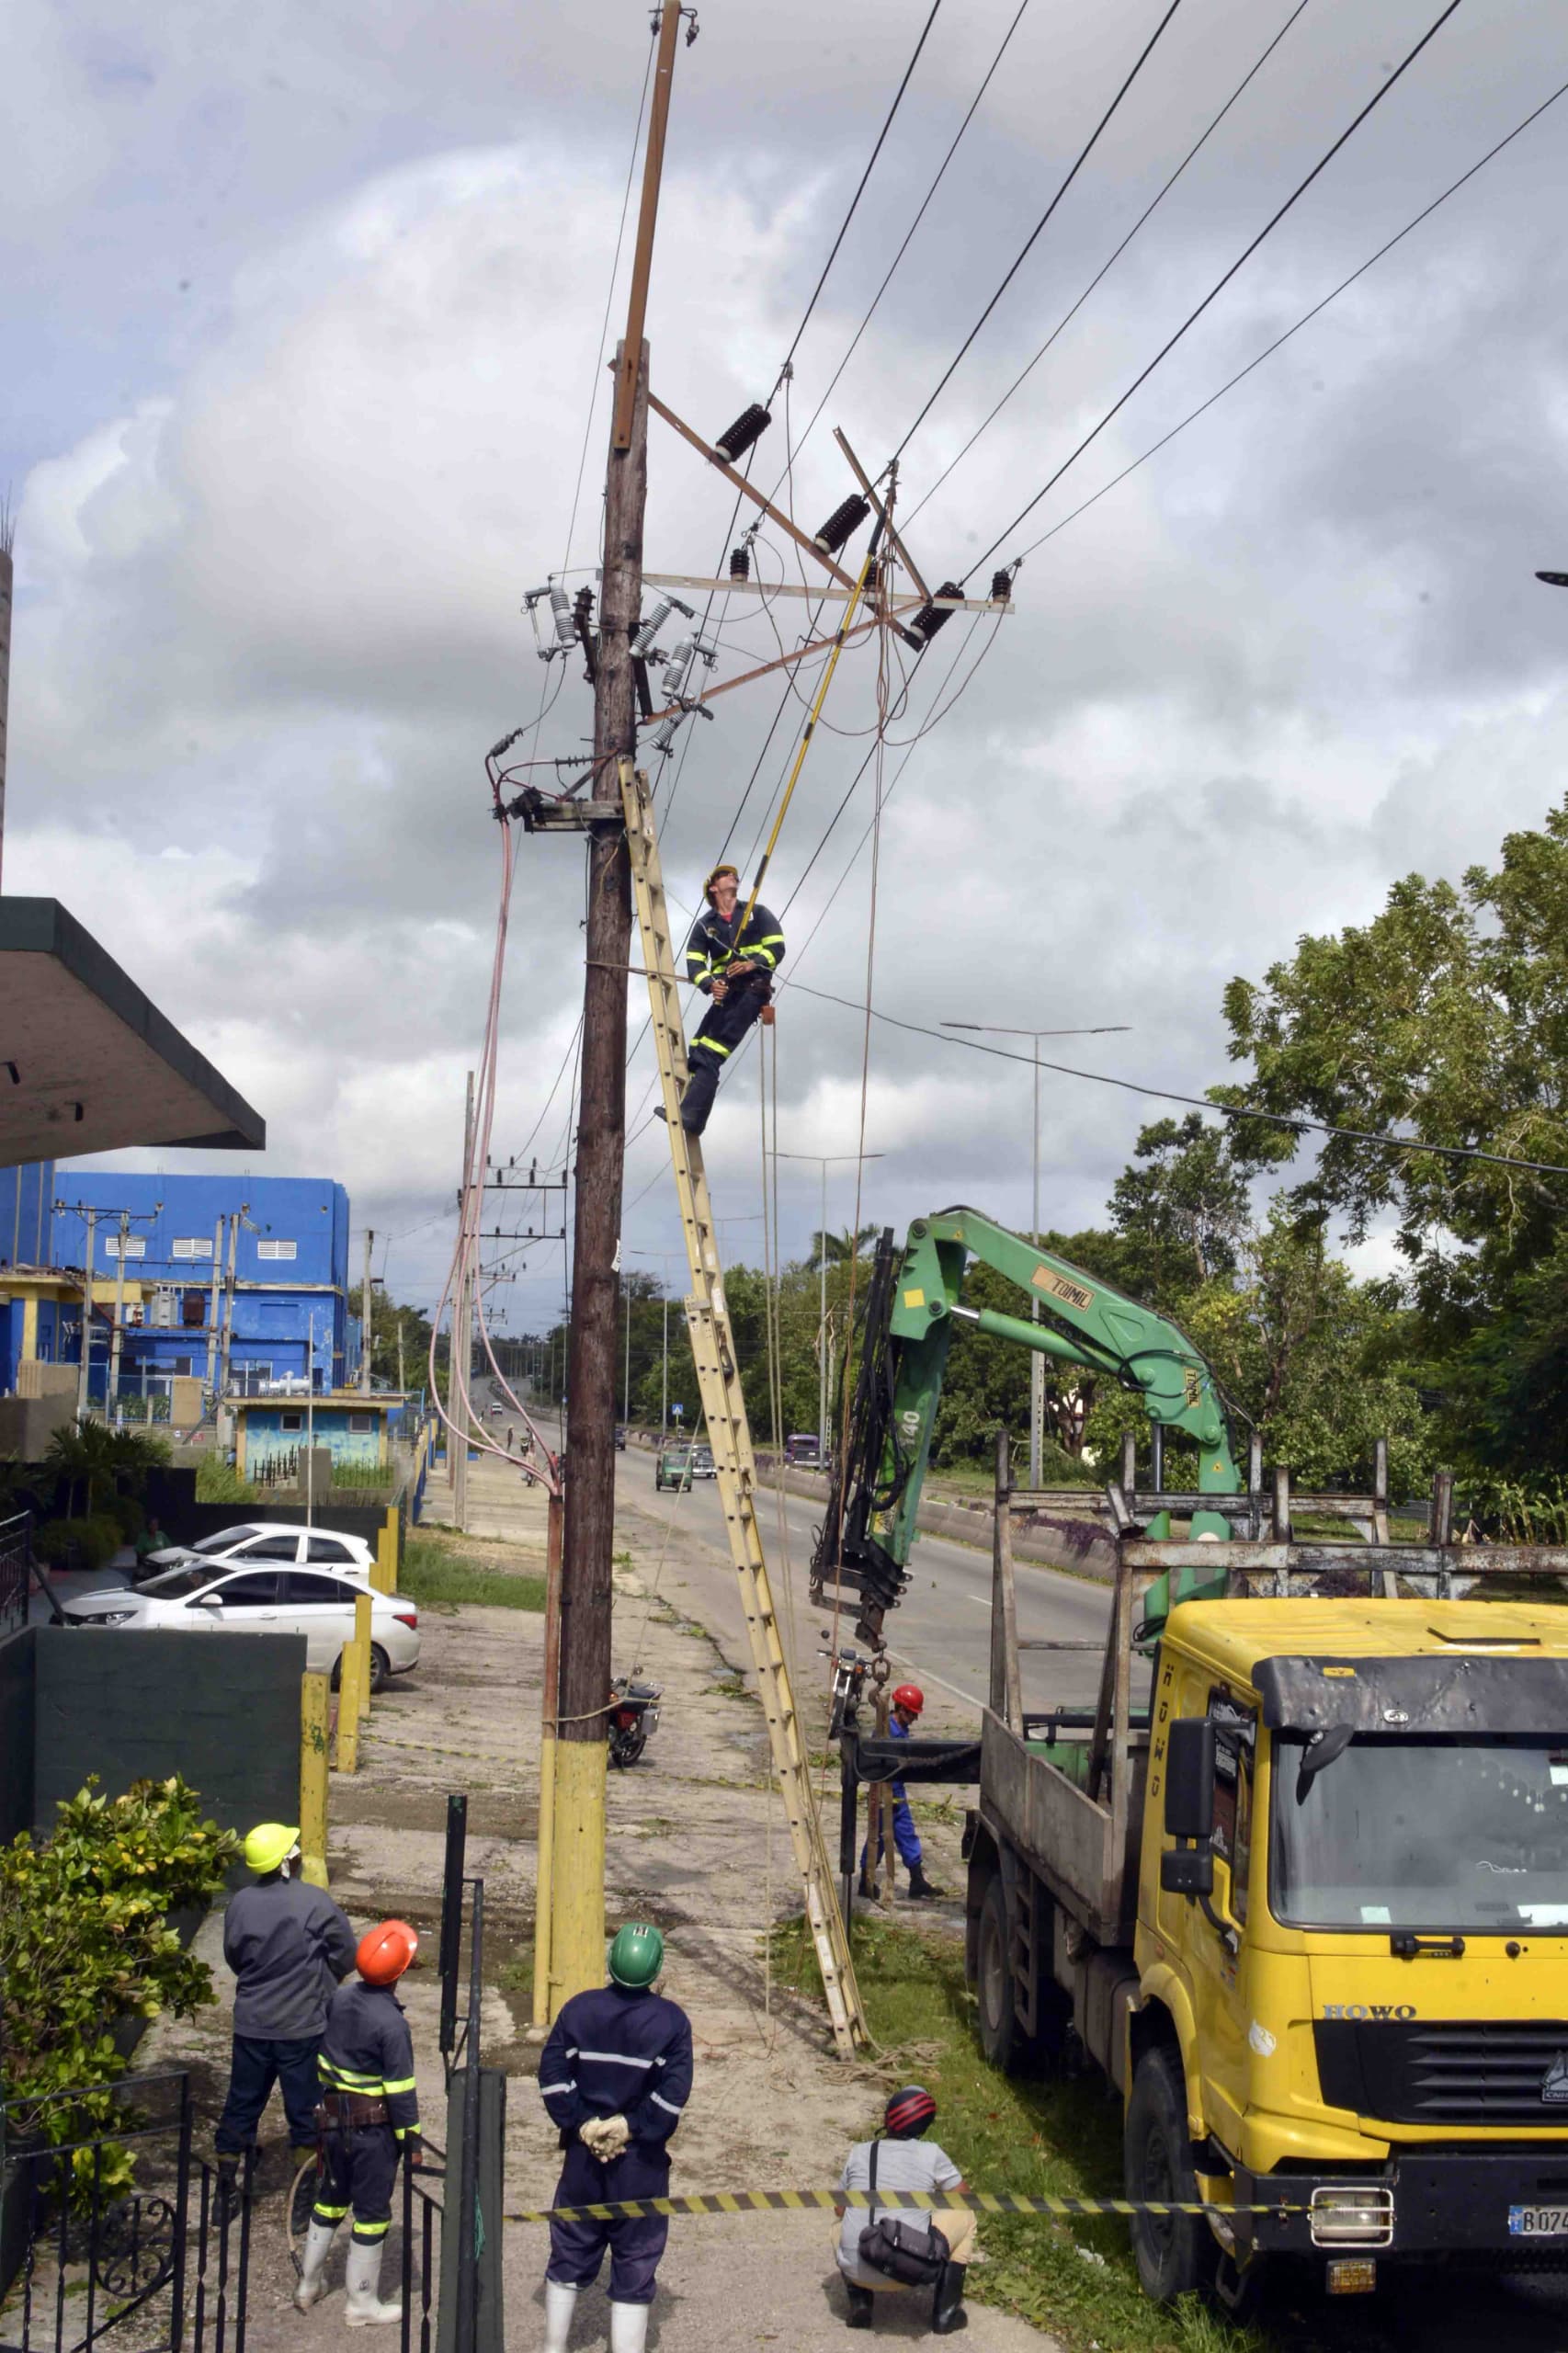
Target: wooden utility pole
[(460, 1348), (577, 1925)]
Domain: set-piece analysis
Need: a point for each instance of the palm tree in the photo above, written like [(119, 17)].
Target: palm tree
[(839, 1249)]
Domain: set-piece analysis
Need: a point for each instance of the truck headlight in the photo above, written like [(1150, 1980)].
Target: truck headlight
[(1353, 2214)]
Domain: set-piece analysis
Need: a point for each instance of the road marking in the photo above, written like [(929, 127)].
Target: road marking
[(971, 1698)]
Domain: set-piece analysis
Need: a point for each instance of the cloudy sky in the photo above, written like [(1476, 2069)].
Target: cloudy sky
[(305, 320)]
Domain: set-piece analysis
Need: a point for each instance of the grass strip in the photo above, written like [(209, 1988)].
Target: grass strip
[(438, 1578), (1045, 2139)]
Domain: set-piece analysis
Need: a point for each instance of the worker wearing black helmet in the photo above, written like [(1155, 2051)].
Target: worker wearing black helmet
[(731, 957)]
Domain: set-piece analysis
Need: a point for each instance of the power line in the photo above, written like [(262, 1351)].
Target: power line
[(909, 234), (1152, 205), (1296, 1126), (1218, 288), (1305, 320), (854, 202), (609, 298), (1083, 156)]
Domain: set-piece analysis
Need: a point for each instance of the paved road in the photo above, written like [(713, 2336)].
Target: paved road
[(940, 1631)]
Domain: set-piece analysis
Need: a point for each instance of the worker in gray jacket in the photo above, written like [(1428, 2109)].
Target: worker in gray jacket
[(288, 1945)]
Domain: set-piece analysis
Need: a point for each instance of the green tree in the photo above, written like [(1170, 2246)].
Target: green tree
[(1444, 1019), (1180, 1208)]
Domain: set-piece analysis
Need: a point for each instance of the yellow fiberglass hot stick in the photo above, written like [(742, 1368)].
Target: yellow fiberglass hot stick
[(866, 571)]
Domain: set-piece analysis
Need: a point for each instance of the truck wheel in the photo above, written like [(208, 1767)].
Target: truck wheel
[(1176, 2254), (1002, 2039)]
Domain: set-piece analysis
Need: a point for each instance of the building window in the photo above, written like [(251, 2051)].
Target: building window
[(292, 1421), (277, 1249), (192, 1245), (135, 1246), (360, 1424)]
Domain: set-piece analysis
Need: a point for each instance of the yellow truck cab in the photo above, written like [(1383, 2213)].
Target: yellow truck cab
[(1369, 2001)]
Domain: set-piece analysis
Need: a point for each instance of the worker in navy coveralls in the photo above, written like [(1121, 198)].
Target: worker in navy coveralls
[(615, 2076)]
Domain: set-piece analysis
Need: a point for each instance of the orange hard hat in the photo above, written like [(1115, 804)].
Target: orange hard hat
[(385, 1952), (910, 1696)]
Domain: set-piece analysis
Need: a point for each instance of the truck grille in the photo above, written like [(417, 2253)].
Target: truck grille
[(1478, 2071)]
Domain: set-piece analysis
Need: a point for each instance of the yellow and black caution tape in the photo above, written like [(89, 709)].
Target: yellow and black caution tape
[(786, 2201)]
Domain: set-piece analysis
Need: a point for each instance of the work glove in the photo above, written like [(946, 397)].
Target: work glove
[(604, 2137)]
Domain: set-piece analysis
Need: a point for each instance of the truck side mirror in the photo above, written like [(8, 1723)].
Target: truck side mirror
[(1189, 1778), (1187, 1870)]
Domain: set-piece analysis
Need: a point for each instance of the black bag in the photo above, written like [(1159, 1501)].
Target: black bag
[(902, 2251)]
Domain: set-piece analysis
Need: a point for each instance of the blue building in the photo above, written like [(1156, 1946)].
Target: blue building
[(232, 1280)]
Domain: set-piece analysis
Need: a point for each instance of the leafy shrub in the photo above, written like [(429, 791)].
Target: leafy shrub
[(126, 1515), (85, 1945), (77, 1543), (54, 1542), (217, 1482)]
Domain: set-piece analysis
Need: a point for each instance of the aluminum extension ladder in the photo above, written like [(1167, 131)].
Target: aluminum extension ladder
[(729, 1434)]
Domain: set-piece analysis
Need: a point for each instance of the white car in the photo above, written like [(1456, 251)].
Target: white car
[(269, 1539), (263, 1601), (702, 1463)]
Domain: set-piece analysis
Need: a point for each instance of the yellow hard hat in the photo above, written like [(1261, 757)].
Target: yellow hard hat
[(708, 886), (268, 1843)]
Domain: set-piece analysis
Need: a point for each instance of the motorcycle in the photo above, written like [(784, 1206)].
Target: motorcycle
[(633, 1714)]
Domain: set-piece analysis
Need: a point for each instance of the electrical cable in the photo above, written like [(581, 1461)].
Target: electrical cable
[(1107, 267), (909, 234), (1305, 320), (860, 192), (609, 298), (1083, 157), (1294, 1123), (1321, 165)]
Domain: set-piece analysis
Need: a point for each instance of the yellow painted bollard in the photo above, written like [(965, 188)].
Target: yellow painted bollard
[(349, 1709), (314, 1715), (384, 1577), (362, 1643)]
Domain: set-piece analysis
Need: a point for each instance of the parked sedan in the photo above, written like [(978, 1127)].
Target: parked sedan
[(263, 1601), (674, 1470), (268, 1540)]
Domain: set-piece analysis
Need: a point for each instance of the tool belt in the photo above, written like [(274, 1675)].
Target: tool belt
[(338, 2108)]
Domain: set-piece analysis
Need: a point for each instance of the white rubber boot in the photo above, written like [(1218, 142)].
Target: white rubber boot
[(366, 2309), (312, 2287), (559, 2303), (628, 2327)]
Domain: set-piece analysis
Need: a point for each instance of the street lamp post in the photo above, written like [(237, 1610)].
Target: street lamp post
[(822, 1158), (1037, 1362)]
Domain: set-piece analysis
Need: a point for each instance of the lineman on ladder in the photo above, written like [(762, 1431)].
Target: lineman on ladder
[(614, 2076), (908, 1703), (737, 974)]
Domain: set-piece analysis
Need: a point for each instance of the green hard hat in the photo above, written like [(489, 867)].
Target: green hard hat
[(268, 1843), (637, 1955)]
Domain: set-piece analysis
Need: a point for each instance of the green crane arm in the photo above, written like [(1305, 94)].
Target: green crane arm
[(873, 1515)]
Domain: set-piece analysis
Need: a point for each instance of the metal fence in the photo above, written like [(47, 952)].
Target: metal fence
[(158, 2249), (15, 1570)]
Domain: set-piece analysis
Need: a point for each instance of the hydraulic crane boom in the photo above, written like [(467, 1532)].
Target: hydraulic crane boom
[(911, 1311)]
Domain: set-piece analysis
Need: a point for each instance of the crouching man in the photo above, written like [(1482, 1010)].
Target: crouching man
[(369, 2114), (615, 2075), (904, 2159)]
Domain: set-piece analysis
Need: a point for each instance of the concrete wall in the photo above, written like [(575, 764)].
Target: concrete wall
[(26, 1425), (139, 1706)]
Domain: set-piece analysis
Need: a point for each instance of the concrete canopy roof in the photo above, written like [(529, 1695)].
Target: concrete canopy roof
[(86, 1063)]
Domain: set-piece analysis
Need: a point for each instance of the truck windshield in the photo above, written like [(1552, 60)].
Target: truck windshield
[(1438, 1835)]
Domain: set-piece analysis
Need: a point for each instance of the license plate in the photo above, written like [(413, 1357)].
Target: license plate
[(1538, 2222)]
